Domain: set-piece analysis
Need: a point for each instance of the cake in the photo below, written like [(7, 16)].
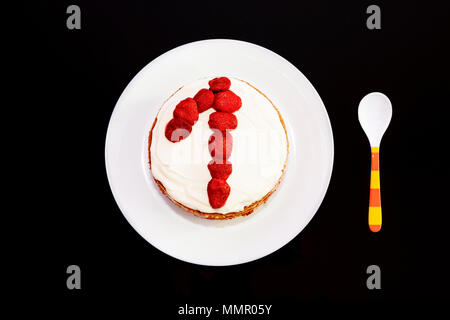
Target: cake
[(218, 148)]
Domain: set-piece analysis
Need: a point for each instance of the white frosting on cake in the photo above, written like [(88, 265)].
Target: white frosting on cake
[(258, 156)]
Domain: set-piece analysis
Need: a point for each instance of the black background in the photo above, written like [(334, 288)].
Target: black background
[(78, 76)]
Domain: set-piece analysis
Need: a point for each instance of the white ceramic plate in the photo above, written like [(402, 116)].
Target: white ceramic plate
[(219, 243)]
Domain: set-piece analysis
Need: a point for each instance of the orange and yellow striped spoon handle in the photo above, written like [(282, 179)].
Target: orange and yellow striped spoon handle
[(375, 196)]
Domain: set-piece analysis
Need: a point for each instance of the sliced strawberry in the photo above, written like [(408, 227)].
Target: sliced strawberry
[(222, 121), (218, 192), (204, 99), (220, 169), (227, 101), (219, 84), (220, 144), (187, 110), (177, 129)]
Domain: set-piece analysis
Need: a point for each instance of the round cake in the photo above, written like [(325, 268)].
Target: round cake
[(218, 148)]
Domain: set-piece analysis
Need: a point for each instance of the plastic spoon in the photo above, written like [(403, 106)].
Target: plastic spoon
[(375, 113)]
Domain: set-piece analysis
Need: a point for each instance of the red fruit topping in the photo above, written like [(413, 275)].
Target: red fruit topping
[(204, 99), (218, 192), (222, 121), (219, 84), (220, 169), (177, 129), (227, 101), (187, 110), (220, 145)]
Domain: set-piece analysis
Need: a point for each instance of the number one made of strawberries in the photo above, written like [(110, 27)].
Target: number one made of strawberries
[(186, 113)]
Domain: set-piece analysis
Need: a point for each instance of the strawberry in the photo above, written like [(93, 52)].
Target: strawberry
[(219, 84), (204, 99), (218, 192), (220, 169), (220, 144), (222, 121), (187, 110), (227, 101), (177, 129)]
